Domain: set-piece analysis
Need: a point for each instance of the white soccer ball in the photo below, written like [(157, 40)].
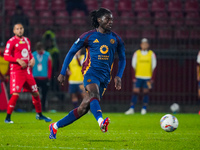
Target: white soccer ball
[(169, 123), (175, 108)]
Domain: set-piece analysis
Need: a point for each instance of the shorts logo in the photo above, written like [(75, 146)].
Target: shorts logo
[(89, 80), (104, 49), (112, 41), (24, 52)]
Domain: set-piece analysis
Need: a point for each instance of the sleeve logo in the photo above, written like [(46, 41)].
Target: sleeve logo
[(112, 41)]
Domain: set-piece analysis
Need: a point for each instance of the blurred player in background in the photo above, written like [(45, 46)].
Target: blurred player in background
[(198, 75), (4, 67), (101, 45), (42, 71), (76, 78), (144, 64), (18, 53)]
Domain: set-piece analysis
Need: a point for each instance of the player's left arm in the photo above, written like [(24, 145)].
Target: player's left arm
[(154, 64), (121, 63), (198, 66), (31, 58)]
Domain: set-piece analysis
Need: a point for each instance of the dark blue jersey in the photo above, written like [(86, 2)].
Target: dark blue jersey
[(100, 52)]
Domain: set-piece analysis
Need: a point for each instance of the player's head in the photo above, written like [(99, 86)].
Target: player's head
[(18, 29), (144, 44), (39, 47), (103, 18)]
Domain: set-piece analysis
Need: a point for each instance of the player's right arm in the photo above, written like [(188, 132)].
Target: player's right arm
[(8, 54), (134, 61), (73, 50)]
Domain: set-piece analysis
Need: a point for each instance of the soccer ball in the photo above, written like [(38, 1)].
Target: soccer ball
[(175, 108), (169, 123)]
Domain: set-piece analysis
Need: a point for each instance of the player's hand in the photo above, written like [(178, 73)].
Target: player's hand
[(69, 73), (134, 80), (32, 62), (118, 83), (198, 78), (61, 79), (22, 63)]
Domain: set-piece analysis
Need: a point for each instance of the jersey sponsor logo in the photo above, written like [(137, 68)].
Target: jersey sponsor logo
[(104, 49), (96, 41), (24, 52), (21, 42), (8, 45), (77, 41), (112, 41)]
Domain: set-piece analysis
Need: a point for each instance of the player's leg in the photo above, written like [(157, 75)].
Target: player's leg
[(73, 90), (199, 95), (136, 91), (45, 88), (146, 87), (11, 107), (71, 117)]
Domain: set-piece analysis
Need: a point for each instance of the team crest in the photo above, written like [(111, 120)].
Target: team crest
[(89, 80), (112, 41)]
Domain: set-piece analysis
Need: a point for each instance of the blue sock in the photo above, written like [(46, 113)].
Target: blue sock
[(95, 108), (134, 100), (70, 118), (145, 101)]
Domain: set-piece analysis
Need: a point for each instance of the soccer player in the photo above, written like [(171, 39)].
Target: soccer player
[(144, 64), (18, 53), (76, 78), (101, 45), (198, 75)]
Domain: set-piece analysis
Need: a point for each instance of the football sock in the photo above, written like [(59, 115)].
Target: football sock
[(145, 101), (37, 103), (12, 103), (70, 118), (75, 104), (8, 117), (100, 121), (95, 108), (134, 100)]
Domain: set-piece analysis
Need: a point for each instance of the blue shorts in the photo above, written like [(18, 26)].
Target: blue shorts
[(75, 88), (142, 83), (90, 78)]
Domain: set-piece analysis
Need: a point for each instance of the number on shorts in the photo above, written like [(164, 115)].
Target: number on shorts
[(34, 88)]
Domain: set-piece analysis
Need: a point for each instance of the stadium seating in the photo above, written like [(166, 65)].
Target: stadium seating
[(10, 5), (45, 18), (192, 18), (161, 19), (149, 33), (61, 18), (175, 5), (181, 33), (127, 19), (132, 34), (65, 33), (78, 18), (26, 4), (58, 5), (143, 18), (110, 4), (165, 33), (176, 19), (41, 5), (191, 5), (158, 5), (91, 4), (32, 17), (124, 5), (195, 34), (141, 5)]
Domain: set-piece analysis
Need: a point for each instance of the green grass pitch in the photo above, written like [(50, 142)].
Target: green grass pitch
[(135, 132)]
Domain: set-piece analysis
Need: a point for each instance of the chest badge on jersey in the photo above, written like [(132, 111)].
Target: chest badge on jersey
[(112, 41), (24, 52), (96, 41)]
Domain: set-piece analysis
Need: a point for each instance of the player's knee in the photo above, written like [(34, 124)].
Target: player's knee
[(35, 94), (95, 94), (136, 91), (83, 109), (146, 91)]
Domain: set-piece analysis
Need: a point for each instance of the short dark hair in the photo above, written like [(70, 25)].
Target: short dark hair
[(98, 14), (39, 46), (17, 23)]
